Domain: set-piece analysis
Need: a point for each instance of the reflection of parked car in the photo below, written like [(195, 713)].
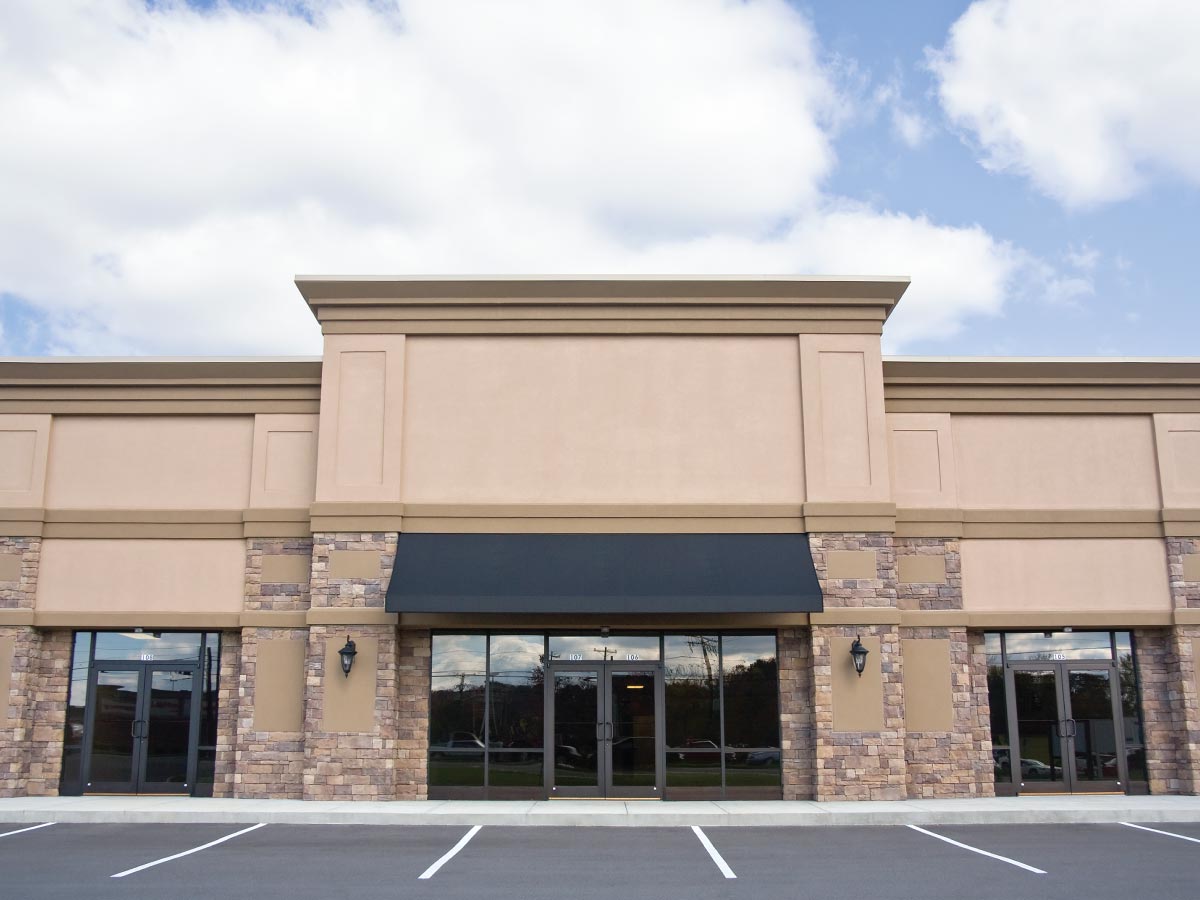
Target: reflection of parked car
[(459, 740), (1035, 768), (701, 751), (763, 758)]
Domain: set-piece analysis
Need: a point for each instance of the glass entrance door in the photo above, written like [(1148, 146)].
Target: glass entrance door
[(141, 729), (604, 731), (1068, 727)]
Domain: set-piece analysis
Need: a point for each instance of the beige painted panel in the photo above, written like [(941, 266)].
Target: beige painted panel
[(362, 417), (354, 563), (1191, 567), (859, 564), (928, 696), (912, 569), (603, 419), (1178, 438), (1195, 663), (1083, 574), (290, 568), (922, 458), (285, 461), (857, 699), (10, 567), (350, 699), (279, 685), (845, 444), (150, 462), (1055, 462), (6, 661), (24, 442), (131, 575)]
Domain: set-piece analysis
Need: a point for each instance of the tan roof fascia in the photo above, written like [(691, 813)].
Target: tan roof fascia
[(159, 386), (1041, 385), (599, 304)]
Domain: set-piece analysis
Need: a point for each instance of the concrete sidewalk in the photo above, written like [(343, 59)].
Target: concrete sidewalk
[(996, 811)]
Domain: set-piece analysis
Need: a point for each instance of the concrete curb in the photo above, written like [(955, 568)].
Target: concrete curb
[(1000, 811)]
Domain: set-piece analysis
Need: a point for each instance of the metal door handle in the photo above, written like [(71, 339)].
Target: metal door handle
[(133, 729), (609, 726), (1071, 722)]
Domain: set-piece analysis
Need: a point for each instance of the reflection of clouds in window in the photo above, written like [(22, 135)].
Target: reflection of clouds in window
[(517, 658), (459, 654), (135, 645), (743, 650)]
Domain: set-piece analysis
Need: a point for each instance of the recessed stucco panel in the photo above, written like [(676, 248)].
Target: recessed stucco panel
[(1056, 462), (150, 462), (362, 399), (16, 459), (602, 419), (1083, 575), (91, 576), (844, 418)]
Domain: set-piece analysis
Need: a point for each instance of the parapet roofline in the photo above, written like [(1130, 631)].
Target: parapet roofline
[(655, 288)]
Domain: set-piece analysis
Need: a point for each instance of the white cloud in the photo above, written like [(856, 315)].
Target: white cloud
[(166, 171), (1090, 99), (908, 125)]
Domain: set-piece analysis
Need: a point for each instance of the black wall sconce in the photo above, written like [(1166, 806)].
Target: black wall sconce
[(347, 654), (858, 653)]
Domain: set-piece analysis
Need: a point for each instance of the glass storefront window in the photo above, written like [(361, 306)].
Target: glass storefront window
[(1131, 710), (81, 657), (998, 708), (210, 683), (692, 675), (517, 691), (456, 705), (751, 691)]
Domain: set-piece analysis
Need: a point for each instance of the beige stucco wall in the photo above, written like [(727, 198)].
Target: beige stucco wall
[(129, 575), (149, 462), (602, 419), (1056, 462), (1065, 574), (285, 461)]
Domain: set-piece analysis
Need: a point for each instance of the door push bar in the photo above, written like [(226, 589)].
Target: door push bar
[(1066, 728), (604, 731), (133, 730)]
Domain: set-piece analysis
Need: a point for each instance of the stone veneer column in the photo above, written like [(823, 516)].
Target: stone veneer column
[(31, 734), (957, 762), (797, 726), (1167, 675), (388, 760), (857, 765), (268, 764)]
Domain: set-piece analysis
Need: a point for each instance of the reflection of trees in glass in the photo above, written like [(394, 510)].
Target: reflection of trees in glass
[(516, 709), (752, 704), (998, 705), (456, 709)]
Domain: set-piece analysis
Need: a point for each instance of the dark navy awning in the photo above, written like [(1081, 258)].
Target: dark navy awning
[(603, 573)]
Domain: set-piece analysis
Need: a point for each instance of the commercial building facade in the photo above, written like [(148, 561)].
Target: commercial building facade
[(599, 538)]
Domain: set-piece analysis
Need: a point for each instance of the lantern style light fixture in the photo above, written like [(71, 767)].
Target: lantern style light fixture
[(347, 654), (858, 653)]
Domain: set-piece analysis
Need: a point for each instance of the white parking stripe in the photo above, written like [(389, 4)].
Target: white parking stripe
[(159, 862), (1011, 862), (1182, 837), (30, 828), (712, 851), (432, 870)]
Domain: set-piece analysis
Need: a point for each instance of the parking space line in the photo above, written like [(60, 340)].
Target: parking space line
[(1011, 862), (432, 870), (23, 830), (1182, 837), (165, 859), (712, 851)]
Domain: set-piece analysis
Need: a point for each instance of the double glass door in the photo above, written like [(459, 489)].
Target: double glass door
[(604, 730), (142, 724), (1068, 727)]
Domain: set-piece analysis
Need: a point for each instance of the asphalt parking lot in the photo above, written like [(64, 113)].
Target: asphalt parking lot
[(363, 862)]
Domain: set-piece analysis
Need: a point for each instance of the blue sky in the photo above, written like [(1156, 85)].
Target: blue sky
[(169, 166)]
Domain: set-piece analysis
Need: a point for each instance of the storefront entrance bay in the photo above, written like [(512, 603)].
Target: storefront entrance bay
[(645, 715)]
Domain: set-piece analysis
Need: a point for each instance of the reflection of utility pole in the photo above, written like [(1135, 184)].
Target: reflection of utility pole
[(704, 642), (605, 651)]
